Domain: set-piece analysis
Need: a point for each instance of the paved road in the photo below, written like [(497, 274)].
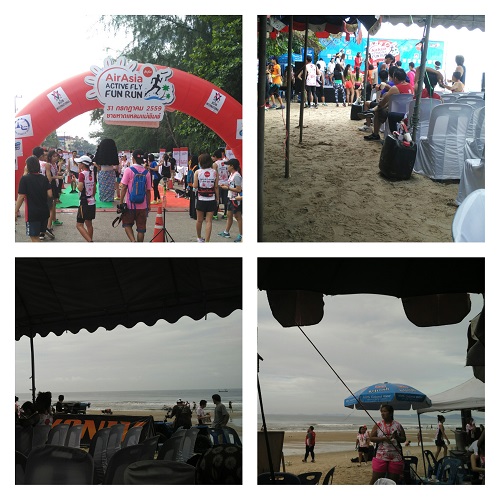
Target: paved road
[(180, 226)]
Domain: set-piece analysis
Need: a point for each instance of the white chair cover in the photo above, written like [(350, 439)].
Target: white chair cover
[(57, 435), (440, 155), (474, 144), (189, 442), (468, 223), (472, 178), (424, 115), (384, 480)]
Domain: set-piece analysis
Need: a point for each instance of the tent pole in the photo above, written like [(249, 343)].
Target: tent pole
[(264, 426), (423, 61), (261, 91), (304, 75), (422, 444), (366, 66), (33, 388), (289, 99)]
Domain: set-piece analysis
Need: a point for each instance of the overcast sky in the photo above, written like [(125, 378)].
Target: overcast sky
[(188, 354), (366, 339)]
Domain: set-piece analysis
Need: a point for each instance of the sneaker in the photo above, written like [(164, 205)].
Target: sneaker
[(344, 104), (42, 236), (117, 197), (224, 217), (304, 461), (215, 217), (372, 137), (57, 222), (313, 461), (224, 234), (307, 106), (337, 105), (50, 233), (315, 106), (238, 239), (281, 107), (73, 191), (365, 128), (273, 106), (200, 240), (324, 104)]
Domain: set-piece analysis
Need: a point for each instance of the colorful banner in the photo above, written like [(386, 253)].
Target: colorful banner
[(93, 423)]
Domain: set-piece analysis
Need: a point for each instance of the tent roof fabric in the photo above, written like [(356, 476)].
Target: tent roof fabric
[(331, 24), (67, 294), (471, 22), (466, 396), (399, 277)]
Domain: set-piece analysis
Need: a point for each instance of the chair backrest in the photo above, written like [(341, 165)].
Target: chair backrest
[(309, 477), (431, 463), (447, 470), (24, 439), (52, 464), (399, 103), (114, 440), (149, 447), (133, 436), (469, 221), (172, 448), (97, 451), (159, 472), (120, 461), (476, 126), (217, 436), (279, 478), (74, 436), (40, 435), (424, 115), (57, 435), (20, 467), (231, 436), (385, 481), (410, 469), (447, 98), (189, 442), (329, 476)]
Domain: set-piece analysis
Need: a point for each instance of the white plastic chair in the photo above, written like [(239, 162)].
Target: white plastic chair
[(74, 436), (114, 440), (440, 154), (447, 98), (189, 442), (424, 115), (468, 223), (132, 437), (57, 435), (172, 447), (385, 480)]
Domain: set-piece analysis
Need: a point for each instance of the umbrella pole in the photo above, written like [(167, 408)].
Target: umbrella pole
[(261, 91), (303, 96), (33, 389), (365, 79), (423, 61), (422, 443), (288, 101)]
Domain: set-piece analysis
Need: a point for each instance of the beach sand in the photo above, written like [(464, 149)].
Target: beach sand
[(335, 191), (159, 415), (346, 472)]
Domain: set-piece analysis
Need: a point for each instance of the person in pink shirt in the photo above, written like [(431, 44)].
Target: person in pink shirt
[(411, 73), (135, 212)]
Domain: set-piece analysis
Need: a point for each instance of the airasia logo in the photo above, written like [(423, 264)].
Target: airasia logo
[(207, 174), (147, 71)]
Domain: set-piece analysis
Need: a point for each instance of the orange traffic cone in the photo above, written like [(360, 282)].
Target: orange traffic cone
[(158, 234)]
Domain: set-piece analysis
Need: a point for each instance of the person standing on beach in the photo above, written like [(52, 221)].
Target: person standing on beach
[(389, 434), (182, 414), (221, 416), (203, 418), (441, 437), (310, 442), (362, 444)]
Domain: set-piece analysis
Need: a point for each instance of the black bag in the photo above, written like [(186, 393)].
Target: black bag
[(396, 159), (355, 109)]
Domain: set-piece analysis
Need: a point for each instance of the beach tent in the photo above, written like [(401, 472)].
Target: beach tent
[(433, 291), (69, 294), (466, 396), (348, 24)]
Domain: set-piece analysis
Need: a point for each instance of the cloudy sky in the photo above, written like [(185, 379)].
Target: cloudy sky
[(164, 356), (366, 339)]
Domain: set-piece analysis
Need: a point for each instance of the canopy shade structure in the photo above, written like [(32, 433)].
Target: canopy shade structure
[(471, 22), (88, 293), (466, 396)]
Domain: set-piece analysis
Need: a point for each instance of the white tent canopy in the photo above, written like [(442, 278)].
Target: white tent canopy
[(466, 396)]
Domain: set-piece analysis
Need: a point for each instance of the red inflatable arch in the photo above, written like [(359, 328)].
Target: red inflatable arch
[(191, 95)]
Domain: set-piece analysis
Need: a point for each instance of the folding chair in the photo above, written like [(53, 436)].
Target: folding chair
[(279, 478)]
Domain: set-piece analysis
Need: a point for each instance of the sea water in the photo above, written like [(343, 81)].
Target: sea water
[(149, 400)]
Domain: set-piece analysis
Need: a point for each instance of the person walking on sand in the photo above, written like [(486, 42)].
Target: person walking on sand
[(441, 437), (310, 442), (362, 444)]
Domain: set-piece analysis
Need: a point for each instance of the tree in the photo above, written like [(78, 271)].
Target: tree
[(207, 46)]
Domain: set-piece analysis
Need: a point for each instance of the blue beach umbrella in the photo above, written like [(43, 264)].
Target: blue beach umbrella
[(399, 396)]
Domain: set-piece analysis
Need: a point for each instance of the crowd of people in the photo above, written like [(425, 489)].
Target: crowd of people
[(209, 182)]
